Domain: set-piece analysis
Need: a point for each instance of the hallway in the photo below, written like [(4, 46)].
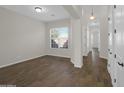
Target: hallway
[(58, 72), (96, 69)]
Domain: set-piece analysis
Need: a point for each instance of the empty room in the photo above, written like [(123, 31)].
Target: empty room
[(61, 45)]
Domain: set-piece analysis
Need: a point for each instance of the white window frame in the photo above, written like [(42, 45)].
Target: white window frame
[(50, 37)]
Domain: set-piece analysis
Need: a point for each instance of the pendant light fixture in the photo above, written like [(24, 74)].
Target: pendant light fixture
[(92, 16)]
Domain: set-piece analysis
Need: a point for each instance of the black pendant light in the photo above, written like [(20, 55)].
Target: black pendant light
[(92, 16)]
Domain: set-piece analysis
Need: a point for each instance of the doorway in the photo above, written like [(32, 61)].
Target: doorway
[(93, 35)]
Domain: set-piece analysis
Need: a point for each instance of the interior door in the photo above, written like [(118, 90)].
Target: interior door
[(120, 72), (119, 44), (111, 44)]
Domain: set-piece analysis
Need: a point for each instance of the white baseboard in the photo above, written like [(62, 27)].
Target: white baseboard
[(2, 66), (104, 57), (78, 66), (85, 54), (58, 55)]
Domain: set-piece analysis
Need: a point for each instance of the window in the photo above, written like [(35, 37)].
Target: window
[(59, 37)]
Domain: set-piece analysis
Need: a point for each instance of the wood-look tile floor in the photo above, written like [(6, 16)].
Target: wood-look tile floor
[(50, 71)]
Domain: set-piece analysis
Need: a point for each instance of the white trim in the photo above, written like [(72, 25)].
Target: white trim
[(2, 66), (58, 55), (104, 57), (68, 37), (78, 66)]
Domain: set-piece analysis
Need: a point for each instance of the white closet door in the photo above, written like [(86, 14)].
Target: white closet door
[(119, 44), (111, 45), (120, 72)]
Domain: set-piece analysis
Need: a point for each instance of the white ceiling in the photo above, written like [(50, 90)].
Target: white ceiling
[(98, 10), (28, 10), (58, 10)]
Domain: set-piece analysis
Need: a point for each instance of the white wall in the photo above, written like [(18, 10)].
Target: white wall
[(84, 34), (57, 51), (76, 57), (21, 38), (88, 40), (104, 36), (84, 43)]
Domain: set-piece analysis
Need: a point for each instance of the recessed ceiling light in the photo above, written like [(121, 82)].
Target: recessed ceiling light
[(41, 9)]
